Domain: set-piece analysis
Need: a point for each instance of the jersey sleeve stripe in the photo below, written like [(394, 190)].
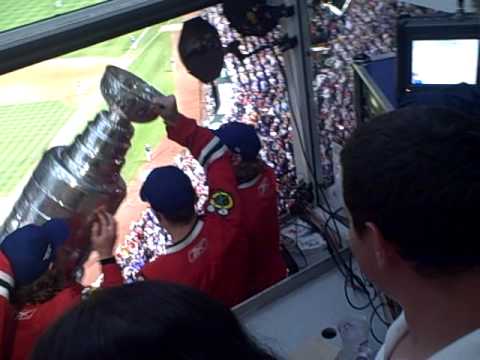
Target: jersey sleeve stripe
[(202, 158), (4, 293), (250, 183), (215, 156), (7, 278)]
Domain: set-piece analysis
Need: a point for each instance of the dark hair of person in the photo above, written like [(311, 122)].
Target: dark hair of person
[(248, 170), (182, 216), (41, 290), (148, 320), (415, 173), (50, 283)]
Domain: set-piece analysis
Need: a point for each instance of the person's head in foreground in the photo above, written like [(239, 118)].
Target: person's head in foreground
[(148, 320), (242, 140), (32, 251), (411, 182), (171, 196)]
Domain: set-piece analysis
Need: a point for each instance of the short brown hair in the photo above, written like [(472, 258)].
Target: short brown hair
[(41, 290)]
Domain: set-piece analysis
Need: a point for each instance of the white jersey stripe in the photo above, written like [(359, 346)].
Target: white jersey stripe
[(250, 183), (207, 149), (4, 293), (185, 242), (7, 278), (215, 156)]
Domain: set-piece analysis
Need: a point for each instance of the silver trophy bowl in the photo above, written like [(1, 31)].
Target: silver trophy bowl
[(72, 182)]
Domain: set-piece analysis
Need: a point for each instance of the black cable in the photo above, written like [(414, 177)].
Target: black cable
[(372, 317), (334, 257), (358, 282), (372, 332), (362, 285), (329, 210), (340, 262), (304, 257), (297, 247), (349, 276), (350, 302), (331, 217), (345, 269)]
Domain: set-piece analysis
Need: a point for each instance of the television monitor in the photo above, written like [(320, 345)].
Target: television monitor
[(437, 51)]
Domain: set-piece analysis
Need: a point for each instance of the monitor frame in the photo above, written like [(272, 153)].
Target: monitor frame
[(438, 27)]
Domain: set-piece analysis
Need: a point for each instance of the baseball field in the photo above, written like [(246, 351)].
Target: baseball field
[(49, 103)]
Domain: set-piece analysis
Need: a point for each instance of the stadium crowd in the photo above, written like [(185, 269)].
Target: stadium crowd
[(368, 27)]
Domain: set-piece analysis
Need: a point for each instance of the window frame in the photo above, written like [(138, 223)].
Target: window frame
[(52, 37)]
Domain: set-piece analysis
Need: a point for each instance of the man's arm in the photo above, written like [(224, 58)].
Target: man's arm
[(7, 285), (155, 270), (112, 274), (103, 237), (208, 149), (215, 158)]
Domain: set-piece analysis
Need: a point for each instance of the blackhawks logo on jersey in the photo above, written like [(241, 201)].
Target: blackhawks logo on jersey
[(221, 202)]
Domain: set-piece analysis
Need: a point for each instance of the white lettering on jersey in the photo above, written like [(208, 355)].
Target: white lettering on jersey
[(25, 314), (264, 187), (48, 253), (198, 250)]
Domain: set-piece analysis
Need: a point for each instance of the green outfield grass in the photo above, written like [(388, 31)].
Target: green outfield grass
[(155, 67), (25, 132), (16, 13), (120, 45)]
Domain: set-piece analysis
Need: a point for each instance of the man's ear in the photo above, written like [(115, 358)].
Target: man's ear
[(380, 247)]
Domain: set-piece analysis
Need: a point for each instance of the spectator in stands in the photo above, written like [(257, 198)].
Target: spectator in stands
[(257, 187), (31, 270), (412, 188), (208, 252), (148, 320)]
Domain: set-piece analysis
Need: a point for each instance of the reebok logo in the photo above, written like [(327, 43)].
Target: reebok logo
[(48, 253)]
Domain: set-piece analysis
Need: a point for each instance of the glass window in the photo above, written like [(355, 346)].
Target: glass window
[(341, 30), (17, 13), (49, 103)]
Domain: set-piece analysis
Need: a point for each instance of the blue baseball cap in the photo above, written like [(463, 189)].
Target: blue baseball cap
[(32, 248), (241, 139), (168, 189)]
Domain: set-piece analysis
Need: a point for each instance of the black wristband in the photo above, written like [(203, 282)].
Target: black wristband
[(110, 260)]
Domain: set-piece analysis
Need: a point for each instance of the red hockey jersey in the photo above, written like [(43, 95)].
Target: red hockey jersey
[(6, 310), (32, 320), (212, 258), (259, 202)]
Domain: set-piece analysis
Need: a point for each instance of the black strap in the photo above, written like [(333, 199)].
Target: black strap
[(110, 260)]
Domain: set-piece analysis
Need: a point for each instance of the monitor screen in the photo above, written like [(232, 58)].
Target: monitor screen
[(445, 62)]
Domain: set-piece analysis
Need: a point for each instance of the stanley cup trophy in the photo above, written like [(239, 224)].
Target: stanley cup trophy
[(71, 182)]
